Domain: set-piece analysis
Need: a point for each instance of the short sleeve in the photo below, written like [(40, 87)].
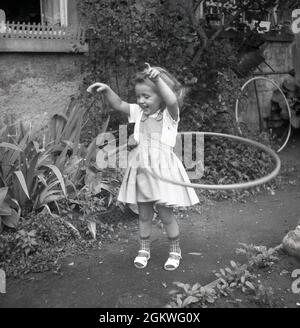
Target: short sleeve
[(135, 111)]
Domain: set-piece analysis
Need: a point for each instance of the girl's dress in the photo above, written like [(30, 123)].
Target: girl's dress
[(155, 134)]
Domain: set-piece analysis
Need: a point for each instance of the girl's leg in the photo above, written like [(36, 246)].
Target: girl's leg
[(167, 216), (146, 213)]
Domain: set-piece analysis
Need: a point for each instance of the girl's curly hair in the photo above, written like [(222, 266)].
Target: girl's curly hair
[(168, 78)]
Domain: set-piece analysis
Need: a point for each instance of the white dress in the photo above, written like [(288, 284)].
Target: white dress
[(138, 184)]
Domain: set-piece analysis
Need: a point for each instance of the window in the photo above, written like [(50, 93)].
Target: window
[(51, 12), (41, 25), (22, 11), (54, 12)]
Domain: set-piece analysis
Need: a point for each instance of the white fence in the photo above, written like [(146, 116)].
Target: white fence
[(12, 30)]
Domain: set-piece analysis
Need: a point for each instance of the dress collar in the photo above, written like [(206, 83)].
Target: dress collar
[(158, 115)]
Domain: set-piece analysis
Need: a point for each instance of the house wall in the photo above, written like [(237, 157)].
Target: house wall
[(279, 56), (33, 86)]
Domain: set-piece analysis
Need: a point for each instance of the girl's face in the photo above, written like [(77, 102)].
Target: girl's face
[(147, 98)]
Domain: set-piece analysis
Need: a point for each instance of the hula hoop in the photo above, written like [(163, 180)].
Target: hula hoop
[(241, 185), (284, 97)]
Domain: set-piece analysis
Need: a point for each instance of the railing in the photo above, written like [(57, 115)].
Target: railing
[(12, 30)]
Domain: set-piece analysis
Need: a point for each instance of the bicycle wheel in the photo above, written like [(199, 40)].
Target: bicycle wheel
[(267, 117)]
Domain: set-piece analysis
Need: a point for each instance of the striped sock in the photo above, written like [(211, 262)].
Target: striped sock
[(175, 245), (145, 243)]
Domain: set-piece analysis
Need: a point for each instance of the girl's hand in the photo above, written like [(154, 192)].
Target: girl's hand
[(101, 87), (153, 74)]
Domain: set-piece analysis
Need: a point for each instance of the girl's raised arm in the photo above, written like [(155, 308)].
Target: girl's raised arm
[(166, 92), (113, 99)]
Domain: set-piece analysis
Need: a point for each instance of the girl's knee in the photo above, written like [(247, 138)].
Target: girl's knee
[(167, 220), (165, 214), (145, 217), (146, 212)]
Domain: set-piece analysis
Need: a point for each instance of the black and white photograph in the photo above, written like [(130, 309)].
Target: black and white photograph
[(149, 159)]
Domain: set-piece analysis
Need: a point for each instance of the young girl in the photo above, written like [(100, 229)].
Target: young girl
[(156, 117)]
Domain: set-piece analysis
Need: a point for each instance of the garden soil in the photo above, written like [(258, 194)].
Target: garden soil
[(106, 278)]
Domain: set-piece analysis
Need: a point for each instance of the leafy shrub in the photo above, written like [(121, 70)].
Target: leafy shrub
[(259, 256), (39, 173), (235, 276), (32, 180), (123, 35), (9, 216), (188, 294), (26, 240)]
